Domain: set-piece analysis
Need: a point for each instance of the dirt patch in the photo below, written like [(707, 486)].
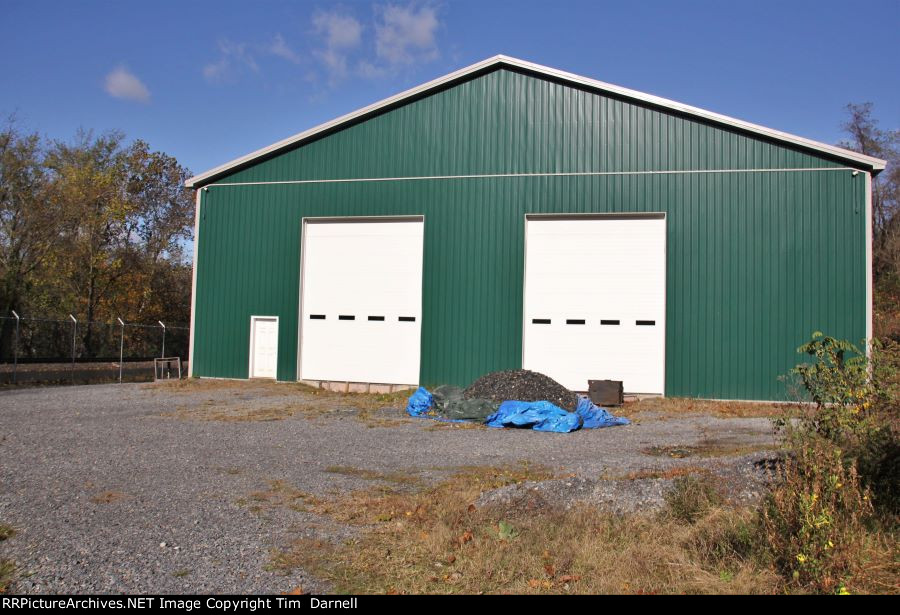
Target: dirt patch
[(400, 478), (668, 407), (108, 497), (256, 401), (708, 448), (447, 426), (668, 473), (279, 494)]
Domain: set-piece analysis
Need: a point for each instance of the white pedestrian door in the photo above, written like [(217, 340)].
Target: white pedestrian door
[(263, 346), (361, 296), (595, 302)]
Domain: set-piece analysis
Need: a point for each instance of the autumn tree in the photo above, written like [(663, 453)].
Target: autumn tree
[(867, 137), (28, 229), (97, 227)]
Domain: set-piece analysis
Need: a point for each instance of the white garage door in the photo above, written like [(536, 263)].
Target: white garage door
[(361, 304), (263, 346), (595, 300)]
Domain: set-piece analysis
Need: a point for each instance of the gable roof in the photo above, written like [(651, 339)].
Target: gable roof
[(498, 61)]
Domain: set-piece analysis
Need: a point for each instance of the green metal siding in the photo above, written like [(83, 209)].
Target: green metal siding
[(756, 260)]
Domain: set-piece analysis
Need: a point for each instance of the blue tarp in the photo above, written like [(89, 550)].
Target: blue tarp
[(594, 416), (419, 402), (537, 415)]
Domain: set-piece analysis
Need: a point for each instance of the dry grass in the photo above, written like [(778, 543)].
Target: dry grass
[(675, 406), (708, 448), (7, 567), (447, 426), (7, 575), (668, 473), (280, 494), (108, 497), (399, 478), (437, 541), (309, 402)]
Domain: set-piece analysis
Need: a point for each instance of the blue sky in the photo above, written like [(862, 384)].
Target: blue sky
[(210, 81)]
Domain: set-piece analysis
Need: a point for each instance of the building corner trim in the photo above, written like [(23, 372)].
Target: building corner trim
[(197, 201)]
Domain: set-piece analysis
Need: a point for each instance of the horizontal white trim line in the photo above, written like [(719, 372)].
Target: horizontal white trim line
[(875, 164), (346, 180)]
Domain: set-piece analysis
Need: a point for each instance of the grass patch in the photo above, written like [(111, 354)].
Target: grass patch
[(693, 497), (306, 401), (7, 567), (443, 426), (399, 478), (280, 494), (676, 406), (707, 449), (437, 541), (668, 473), (7, 575), (180, 574)]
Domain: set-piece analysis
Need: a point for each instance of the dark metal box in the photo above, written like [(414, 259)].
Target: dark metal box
[(606, 392)]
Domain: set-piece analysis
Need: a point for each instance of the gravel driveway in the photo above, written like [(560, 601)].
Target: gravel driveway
[(143, 488)]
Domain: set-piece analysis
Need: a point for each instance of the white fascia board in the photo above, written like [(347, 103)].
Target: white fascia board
[(875, 164)]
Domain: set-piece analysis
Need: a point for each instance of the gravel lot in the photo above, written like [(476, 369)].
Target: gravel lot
[(143, 488)]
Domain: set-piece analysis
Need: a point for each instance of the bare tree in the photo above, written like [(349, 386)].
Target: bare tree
[(868, 138)]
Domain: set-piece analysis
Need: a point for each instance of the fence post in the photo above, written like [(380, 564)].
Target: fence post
[(16, 348), (121, 347), (74, 333), (163, 356)]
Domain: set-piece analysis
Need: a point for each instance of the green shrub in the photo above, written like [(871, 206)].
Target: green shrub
[(835, 501), (838, 383), (856, 407), (814, 520)]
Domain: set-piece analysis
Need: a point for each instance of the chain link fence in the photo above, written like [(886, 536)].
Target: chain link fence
[(42, 350)]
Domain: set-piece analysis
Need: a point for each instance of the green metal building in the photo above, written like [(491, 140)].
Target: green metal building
[(511, 215)]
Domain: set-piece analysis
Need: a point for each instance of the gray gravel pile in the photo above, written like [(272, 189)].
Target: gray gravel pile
[(522, 385), (743, 480)]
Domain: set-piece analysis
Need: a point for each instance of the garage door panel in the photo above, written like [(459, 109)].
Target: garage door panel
[(596, 270), (372, 272)]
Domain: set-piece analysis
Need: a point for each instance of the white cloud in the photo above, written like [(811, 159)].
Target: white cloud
[(406, 34), (401, 35), (341, 34), (281, 49), (234, 58), (120, 83)]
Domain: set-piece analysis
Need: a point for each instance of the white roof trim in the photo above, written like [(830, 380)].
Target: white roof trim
[(875, 164)]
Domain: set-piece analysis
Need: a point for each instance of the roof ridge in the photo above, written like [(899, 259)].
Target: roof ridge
[(875, 164)]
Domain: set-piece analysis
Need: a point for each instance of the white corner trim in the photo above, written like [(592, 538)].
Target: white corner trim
[(875, 164), (197, 199), (870, 298)]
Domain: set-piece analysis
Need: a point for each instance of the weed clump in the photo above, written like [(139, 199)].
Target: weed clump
[(691, 498)]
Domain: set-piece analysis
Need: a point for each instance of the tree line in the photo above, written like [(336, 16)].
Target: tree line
[(96, 226), (867, 137)]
